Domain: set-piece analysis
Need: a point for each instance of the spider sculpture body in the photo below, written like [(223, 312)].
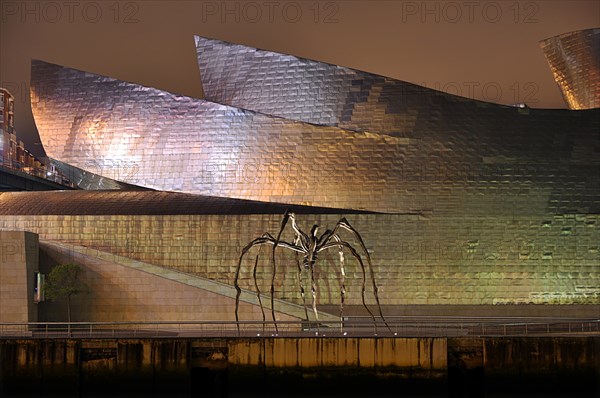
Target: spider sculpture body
[(309, 245)]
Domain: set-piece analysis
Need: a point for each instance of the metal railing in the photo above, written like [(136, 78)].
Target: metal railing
[(349, 327)]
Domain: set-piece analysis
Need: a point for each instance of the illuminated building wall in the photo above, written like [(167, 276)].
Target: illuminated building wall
[(6, 126), (439, 260), (7, 108), (13, 153), (465, 202), (462, 156)]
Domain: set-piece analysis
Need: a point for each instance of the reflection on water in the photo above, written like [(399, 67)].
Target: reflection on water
[(319, 383), (305, 395), (316, 394)]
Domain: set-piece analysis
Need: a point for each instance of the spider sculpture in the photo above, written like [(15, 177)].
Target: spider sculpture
[(309, 246)]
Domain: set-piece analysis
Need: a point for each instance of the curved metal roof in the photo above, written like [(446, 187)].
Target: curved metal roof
[(454, 157), (140, 203), (574, 59)]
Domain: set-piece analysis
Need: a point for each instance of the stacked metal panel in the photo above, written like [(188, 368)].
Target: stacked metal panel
[(574, 58), (154, 139), (435, 153), (502, 201), (127, 202), (464, 260), (310, 91)]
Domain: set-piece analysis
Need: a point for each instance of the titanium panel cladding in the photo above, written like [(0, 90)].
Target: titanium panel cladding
[(460, 157), (575, 62), (158, 140), (304, 90)]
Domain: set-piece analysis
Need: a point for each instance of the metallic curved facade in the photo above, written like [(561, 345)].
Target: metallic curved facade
[(310, 91), (575, 62), (498, 205), (158, 140), (144, 203), (461, 157)]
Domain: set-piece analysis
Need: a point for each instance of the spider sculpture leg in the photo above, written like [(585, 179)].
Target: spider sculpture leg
[(362, 266), (284, 221), (265, 239), (342, 278), (343, 223), (300, 284), (301, 241), (264, 318), (313, 289)]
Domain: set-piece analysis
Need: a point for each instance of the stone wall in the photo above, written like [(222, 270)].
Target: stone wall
[(417, 259), (18, 264)]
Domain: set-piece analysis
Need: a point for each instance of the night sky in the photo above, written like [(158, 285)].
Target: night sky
[(486, 50)]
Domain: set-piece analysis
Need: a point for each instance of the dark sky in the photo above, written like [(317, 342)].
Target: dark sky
[(482, 49)]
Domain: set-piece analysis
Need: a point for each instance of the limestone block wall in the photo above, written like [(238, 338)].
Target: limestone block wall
[(18, 264), (416, 259), (116, 293)]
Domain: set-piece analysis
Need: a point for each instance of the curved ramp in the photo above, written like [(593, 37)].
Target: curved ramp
[(123, 289)]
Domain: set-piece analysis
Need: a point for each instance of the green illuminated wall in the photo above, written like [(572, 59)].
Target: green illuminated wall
[(417, 260)]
